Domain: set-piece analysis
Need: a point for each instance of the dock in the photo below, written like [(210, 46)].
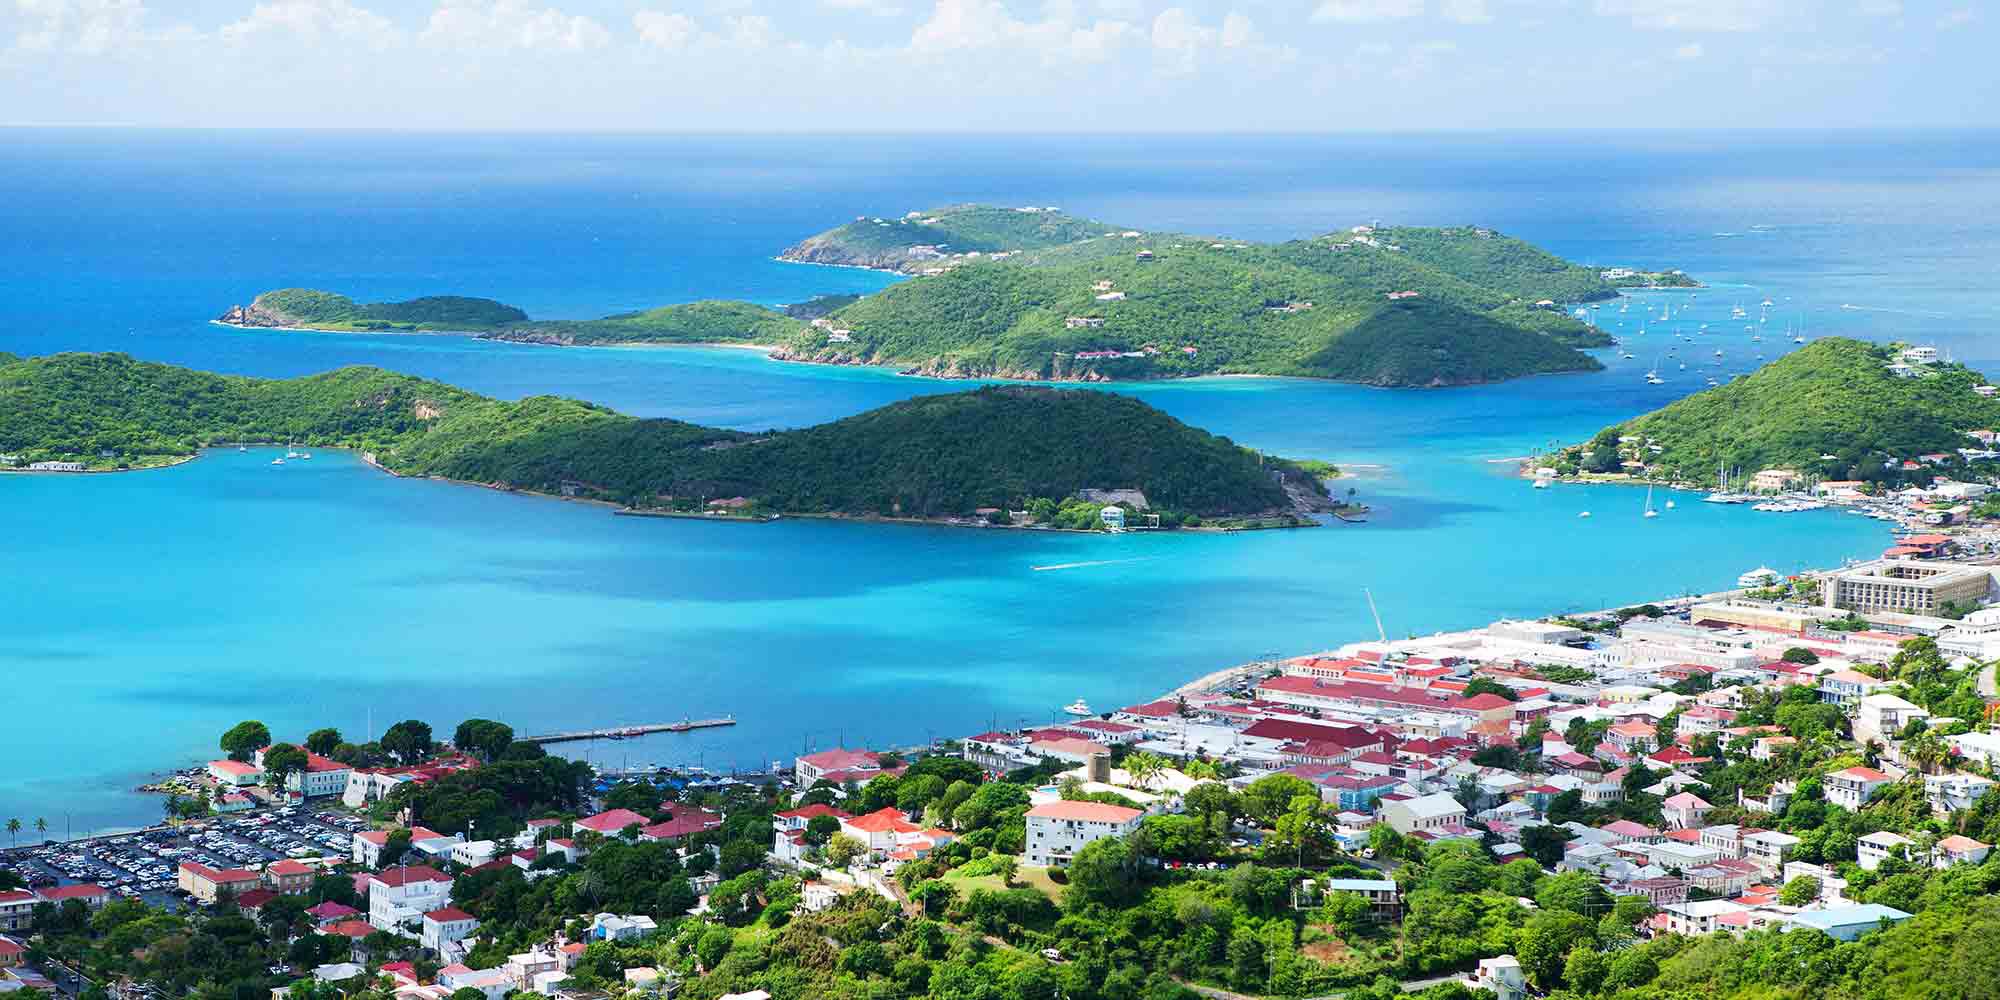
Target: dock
[(628, 732)]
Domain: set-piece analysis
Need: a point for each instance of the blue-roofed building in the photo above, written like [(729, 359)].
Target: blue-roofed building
[(1846, 923)]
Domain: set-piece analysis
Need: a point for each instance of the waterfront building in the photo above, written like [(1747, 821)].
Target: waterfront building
[(1906, 585), (235, 773), (323, 776)]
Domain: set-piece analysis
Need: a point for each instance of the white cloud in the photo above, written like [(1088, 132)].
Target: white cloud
[(512, 24), (1957, 17), (88, 27), (1238, 31), (1179, 38), (1690, 51), (968, 25), (1694, 15), (879, 8), (313, 21), (1466, 11), (1358, 11), (754, 31), (665, 30)]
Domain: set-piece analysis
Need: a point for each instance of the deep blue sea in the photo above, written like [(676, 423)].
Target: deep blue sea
[(142, 614)]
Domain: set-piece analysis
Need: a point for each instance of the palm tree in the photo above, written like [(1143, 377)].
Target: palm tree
[(41, 828), (14, 831)]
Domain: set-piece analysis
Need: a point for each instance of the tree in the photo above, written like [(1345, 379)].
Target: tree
[(934, 896), (1104, 871), (713, 946), (1487, 685), (409, 740), (244, 739), (1545, 843), (842, 849), (14, 831), (1145, 768), (1576, 892), (281, 761), (821, 829), (323, 741), (1585, 970), (1545, 943), (1799, 891), (41, 828), (483, 738), (1800, 654), (1632, 968), (1270, 796)]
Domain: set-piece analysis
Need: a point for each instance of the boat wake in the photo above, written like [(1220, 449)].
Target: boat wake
[(1083, 565), (1900, 312)]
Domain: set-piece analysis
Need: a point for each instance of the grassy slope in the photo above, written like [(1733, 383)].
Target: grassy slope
[(1833, 396), (931, 456), (865, 242)]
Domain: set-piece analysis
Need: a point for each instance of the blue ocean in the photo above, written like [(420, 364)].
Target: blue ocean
[(142, 614)]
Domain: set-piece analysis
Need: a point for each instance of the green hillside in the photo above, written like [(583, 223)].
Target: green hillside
[(918, 240), (1160, 306), (306, 307), (1833, 397), (714, 321), (934, 456)]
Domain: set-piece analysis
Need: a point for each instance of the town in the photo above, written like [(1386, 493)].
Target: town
[(1810, 753)]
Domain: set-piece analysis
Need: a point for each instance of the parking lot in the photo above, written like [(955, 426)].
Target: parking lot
[(144, 865)]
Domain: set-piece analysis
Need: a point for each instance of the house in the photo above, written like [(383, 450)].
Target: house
[(684, 821), (612, 927), (399, 897), (495, 983), (367, 846), (1873, 849), (288, 876), (841, 767), (1851, 788), (331, 912), (1846, 688), (1769, 849), (1057, 830), (1699, 917), (205, 883), (12, 953), (1881, 716), (1430, 813), (881, 830), (611, 823), (1625, 831), (1846, 923), (1500, 976), (1958, 848), (1948, 793), (17, 907), (444, 928), (1684, 811), (1632, 736), (322, 777), (235, 773), (1381, 894)]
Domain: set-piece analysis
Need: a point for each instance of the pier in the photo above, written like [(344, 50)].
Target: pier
[(629, 732)]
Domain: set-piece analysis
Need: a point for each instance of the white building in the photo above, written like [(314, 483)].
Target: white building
[(1882, 716), (1429, 813), (1057, 830), (1851, 788), (399, 898), (1870, 851), (444, 928)]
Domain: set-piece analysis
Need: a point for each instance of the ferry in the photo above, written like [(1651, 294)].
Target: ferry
[(1078, 708)]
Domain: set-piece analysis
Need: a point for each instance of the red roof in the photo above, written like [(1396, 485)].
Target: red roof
[(59, 893), (255, 898), (686, 820), (887, 819), (1153, 709), (331, 910), (9, 948), (349, 928), (219, 875), (1861, 774), (406, 876), (449, 914), (1348, 737), (233, 767), (816, 809), (612, 822), (843, 760), (287, 867), (1089, 812)]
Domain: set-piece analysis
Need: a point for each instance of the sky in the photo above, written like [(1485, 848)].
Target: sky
[(1045, 66)]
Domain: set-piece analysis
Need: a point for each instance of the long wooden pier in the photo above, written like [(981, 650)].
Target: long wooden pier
[(629, 732)]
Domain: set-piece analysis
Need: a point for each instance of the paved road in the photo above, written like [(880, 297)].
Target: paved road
[(1987, 686)]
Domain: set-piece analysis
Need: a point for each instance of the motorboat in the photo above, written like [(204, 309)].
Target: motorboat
[(1079, 708)]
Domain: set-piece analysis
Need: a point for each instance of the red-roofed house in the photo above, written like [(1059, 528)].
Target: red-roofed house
[(1684, 811), (1853, 787), (685, 821), (205, 883), (92, 895), (1315, 693), (1069, 748), (399, 897), (841, 767), (1057, 830), (235, 773), (288, 876), (12, 953), (251, 903), (332, 912), (882, 830), (610, 823), (1957, 847), (444, 928), (323, 776), (1631, 737)]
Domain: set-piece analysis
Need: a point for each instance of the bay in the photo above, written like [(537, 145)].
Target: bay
[(144, 613)]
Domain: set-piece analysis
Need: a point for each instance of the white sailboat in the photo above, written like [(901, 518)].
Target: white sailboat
[(291, 450), (1650, 512)]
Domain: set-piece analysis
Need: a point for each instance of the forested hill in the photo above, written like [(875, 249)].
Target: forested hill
[(706, 322), (1835, 397), (921, 239), (936, 456), (1388, 306)]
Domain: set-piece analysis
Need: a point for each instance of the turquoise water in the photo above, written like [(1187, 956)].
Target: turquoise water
[(144, 613)]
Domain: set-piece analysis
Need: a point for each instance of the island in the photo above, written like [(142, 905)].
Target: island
[(1835, 409), (1036, 294), (1000, 455)]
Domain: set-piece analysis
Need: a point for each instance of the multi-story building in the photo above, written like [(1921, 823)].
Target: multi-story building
[(444, 928), (1906, 585), (1057, 830), (1439, 813), (399, 898), (1769, 849), (205, 883), (1851, 788)]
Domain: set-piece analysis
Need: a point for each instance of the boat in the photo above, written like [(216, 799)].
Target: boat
[(1584, 513), (1541, 484), (1767, 303), (1762, 576), (241, 448), (305, 456), (291, 451), (1650, 512), (1078, 707), (277, 461), (1670, 505)]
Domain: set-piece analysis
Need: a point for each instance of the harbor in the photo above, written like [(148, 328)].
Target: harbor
[(628, 732)]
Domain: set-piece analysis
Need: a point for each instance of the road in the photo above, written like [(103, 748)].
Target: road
[(1410, 986), (1987, 687)]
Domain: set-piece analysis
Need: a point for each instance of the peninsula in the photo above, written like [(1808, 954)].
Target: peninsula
[(1836, 409), (1051, 457), (1036, 294)]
